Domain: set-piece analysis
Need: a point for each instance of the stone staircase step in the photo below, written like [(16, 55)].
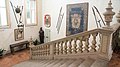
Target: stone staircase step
[(87, 63), (100, 63), (67, 63), (52, 64), (76, 63), (51, 61), (59, 63)]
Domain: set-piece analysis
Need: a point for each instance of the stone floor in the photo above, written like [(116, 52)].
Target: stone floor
[(10, 60)]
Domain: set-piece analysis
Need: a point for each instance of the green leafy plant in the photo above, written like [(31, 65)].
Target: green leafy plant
[(1, 52), (36, 42)]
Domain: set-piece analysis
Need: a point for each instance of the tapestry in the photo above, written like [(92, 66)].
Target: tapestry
[(77, 18)]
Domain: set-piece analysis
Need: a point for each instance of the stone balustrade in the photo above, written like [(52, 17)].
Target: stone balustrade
[(93, 42)]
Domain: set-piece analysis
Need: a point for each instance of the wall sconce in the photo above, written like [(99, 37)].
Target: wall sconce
[(18, 11)]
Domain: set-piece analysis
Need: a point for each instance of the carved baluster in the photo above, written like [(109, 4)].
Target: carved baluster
[(49, 49), (70, 47), (65, 48), (45, 49), (57, 48), (75, 46), (86, 47), (61, 47), (80, 44), (38, 51), (42, 51)]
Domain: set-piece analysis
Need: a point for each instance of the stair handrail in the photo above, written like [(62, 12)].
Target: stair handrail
[(54, 49)]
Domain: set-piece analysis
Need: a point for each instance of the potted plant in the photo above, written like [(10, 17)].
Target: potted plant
[(36, 42), (2, 52)]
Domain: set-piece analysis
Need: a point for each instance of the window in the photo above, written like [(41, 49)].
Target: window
[(4, 15), (31, 18)]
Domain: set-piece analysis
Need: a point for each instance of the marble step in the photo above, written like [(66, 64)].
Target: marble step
[(100, 63), (76, 63), (59, 63), (67, 63), (52, 64), (87, 63)]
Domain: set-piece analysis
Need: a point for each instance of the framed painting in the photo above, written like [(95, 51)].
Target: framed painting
[(77, 18), (19, 34)]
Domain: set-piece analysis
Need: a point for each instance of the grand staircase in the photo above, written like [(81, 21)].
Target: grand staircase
[(87, 49)]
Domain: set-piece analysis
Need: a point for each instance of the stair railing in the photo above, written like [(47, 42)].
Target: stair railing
[(78, 45)]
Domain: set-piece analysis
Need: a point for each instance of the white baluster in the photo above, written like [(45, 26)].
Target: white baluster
[(75, 46), (57, 48), (86, 43), (70, 47), (80, 44), (65, 47), (93, 48), (61, 47)]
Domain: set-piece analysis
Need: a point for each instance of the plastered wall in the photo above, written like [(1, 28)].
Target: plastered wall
[(52, 7), (7, 35)]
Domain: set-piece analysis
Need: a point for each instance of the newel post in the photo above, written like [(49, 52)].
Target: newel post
[(107, 31), (105, 47)]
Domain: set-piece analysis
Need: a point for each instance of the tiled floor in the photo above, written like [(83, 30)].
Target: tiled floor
[(10, 60)]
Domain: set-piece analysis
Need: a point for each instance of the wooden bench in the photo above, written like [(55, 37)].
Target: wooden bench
[(18, 45)]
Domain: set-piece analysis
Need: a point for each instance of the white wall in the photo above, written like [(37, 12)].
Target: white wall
[(52, 7), (7, 35)]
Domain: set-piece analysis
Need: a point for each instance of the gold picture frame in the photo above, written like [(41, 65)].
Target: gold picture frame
[(19, 34)]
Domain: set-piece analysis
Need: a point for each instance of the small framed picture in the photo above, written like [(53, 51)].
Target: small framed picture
[(19, 34)]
